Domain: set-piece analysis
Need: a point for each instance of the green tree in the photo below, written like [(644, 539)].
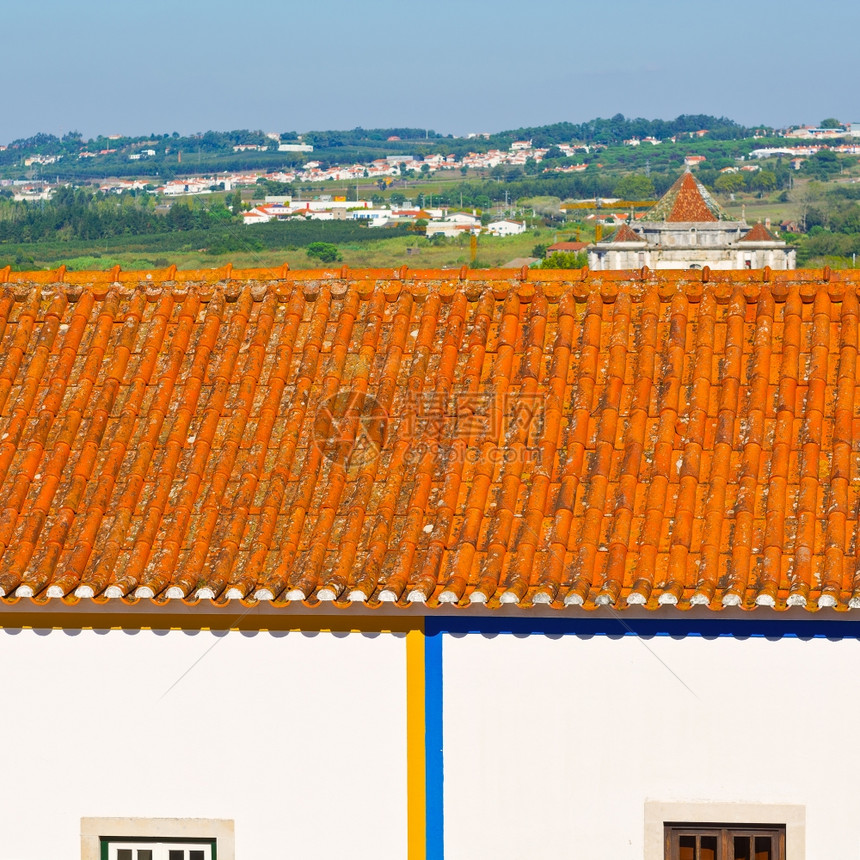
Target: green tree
[(823, 164), (275, 189), (831, 122), (325, 252), (635, 187), (729, 183), (806, 197), (564, 260), (763, 180), (397, 199)]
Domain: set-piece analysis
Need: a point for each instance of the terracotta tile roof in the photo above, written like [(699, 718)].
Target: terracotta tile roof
[(566, 246), (625, 234), (543, 437), (686, 201), (759, 233)]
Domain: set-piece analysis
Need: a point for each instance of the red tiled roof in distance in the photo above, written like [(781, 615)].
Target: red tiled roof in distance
[(545, 438), (626, 234), (689, 204), (759, 233), (686, 201), (567, 247)]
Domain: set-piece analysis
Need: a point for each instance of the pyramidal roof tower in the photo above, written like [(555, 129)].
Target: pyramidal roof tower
[(759, 233), (626, 234), (687, 201)]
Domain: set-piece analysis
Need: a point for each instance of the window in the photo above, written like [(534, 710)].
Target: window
[(157, 839), (724, 842), (157, 849), (717, 821)]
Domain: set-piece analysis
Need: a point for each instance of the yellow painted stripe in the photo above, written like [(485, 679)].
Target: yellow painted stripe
[(415, 755)]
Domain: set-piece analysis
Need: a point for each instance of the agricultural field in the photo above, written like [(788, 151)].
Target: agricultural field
[(397, 250)]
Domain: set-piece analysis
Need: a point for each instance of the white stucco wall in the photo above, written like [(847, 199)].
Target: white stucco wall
[(299, 738), (552, 746)]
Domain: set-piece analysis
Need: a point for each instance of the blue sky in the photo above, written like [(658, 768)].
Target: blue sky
[(112, 66)]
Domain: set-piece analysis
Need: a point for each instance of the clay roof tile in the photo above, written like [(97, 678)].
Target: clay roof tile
[(336, 435), (759, 233), (567, 246), (626, 234)]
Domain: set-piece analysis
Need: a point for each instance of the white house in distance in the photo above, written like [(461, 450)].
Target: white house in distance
[(257, 215), (454, 224), (427, 564), (178, 187), (374, 217), (267, 212), (316, 210), (506, 227)]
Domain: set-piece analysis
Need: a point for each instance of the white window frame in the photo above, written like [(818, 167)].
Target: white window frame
[(160, 849), (180, 831)]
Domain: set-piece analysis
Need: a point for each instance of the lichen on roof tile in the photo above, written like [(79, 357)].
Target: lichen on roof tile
[(562, 439)]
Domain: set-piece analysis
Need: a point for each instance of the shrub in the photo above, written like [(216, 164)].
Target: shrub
[(325, 252), (564, 260)]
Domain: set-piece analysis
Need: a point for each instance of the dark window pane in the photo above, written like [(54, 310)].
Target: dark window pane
[(763, 848), (687, 848), (123, 854), (198, 855), (742, 848), (144, 854), (708, 850), (176, 854)]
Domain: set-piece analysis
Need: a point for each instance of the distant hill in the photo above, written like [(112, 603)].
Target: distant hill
[(168, 155)]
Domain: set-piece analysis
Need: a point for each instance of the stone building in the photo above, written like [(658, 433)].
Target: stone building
[(687, 229)]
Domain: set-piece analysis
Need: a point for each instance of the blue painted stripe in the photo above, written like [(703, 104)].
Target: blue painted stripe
[(434, 764), (617, 626)]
